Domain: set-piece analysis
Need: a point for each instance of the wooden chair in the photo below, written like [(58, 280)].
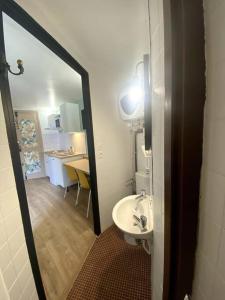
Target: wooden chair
[(84, 183), (72, 176)]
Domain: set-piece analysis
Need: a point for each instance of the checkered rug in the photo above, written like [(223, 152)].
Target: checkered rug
[(113, 270)]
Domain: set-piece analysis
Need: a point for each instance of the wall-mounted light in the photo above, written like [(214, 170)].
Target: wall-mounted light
[(131, 99), (131, 103), (136, 93)]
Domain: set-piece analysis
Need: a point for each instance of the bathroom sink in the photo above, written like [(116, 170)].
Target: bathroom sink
[(123, 216)]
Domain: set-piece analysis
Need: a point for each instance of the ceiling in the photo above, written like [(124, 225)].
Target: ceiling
[(111, 34), (47, 81)]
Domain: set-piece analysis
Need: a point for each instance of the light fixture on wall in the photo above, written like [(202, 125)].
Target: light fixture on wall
[(5, 65), (131, 99), (136, 90), (135, 93)]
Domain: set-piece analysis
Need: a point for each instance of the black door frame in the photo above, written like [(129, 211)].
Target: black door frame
[(184, 113), (14, 11)]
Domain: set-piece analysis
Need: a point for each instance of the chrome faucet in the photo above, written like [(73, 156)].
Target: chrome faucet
[(140, 198), (142, 222)]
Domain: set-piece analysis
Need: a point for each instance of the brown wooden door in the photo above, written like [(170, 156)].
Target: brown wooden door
[(30, 143)]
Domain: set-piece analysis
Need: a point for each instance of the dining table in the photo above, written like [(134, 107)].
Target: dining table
[(80, 164)]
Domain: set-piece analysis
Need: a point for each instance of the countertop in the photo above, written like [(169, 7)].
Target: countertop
[(81, 164), (62, 154)]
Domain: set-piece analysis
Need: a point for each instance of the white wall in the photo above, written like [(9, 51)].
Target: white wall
[(209, 278), (112, 145), (16, 279), (4, 295), (79, 142), (157, 56)]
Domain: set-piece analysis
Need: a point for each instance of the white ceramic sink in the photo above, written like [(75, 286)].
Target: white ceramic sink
[(123, 213)]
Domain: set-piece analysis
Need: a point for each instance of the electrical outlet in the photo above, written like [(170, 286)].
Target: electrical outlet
[(99, 150), (100, 154)]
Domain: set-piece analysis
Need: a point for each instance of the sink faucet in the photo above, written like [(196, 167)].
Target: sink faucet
[(142, 222), (140, 198)]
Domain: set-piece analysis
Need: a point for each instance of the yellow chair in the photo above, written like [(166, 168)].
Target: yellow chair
[(72, 176), (84, 182)]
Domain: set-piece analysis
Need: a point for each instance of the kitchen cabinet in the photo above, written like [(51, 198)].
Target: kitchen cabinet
[(70, 115), (56, 171), (47, 167)]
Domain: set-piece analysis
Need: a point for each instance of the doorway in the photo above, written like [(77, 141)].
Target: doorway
[(30, 144), (42, 194)]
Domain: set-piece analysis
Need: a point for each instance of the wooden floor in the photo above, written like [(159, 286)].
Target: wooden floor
[(63, 236)]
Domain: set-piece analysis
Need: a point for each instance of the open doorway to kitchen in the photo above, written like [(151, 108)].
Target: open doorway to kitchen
[(49, 125)]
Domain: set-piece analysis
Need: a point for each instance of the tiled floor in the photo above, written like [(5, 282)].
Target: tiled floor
[(113, 270)]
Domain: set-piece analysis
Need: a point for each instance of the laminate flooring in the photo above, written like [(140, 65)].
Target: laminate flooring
[(62, 233)]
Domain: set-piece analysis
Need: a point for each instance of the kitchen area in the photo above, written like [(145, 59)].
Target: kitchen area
[(54, 159), (64, 140), (48, 141), (57, 183)]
